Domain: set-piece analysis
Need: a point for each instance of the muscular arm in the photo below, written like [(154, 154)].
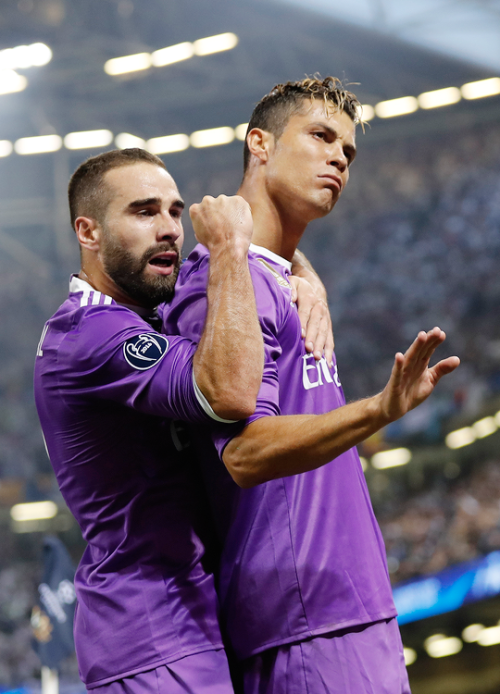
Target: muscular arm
[(273, 447), (229, 360)]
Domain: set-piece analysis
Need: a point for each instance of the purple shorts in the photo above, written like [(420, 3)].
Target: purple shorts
[(367, 659), (202, 673)]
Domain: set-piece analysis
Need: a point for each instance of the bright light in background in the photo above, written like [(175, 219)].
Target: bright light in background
[(172, 54), (497, 418), (385, 459), (88, 139), (439, 97), (11, 82), (37, 510), (410, 656), (460, 437), (5, 148), (482, 88), (471, 633), (215, 44), (128, 63), (485, 427), (440, 646), (167, 144), (38, 145), (212, 137), (367, 112), (364, 463), (489, 637), (396, 107), (241, 131), (20, 57), (126, 141)]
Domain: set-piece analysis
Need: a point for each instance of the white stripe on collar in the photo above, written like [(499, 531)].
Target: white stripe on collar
[(76, 284), (260, 250)]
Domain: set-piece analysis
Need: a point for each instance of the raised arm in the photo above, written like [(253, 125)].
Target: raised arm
[(229, 360), (273, 447)]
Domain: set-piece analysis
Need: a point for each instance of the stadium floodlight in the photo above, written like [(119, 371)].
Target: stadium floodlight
[(364, 463), (36, 510), (481, 88), (5, 148), (11, 82), (367, 113), (87, 139), (215, 44), (489, 636), (461, 437), (471, 633), (410, 656), (440, 646), (396, 107), (168, 144), (126, 140), (38, 145), (485, 427), (439, 97), (172, 54), (497, 418), (393, 458), (20, 57), (127, 63), (212, 137), (241, 131)]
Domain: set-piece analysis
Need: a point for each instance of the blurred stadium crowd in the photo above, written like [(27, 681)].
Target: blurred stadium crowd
[(415, 242)]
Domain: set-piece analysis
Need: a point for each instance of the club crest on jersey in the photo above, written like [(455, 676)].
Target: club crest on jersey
[(144, 351)]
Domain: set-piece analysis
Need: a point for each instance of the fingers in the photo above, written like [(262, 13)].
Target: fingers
[(294, 281), (317, 330), (443, 368), (221, 220), (329, 344)]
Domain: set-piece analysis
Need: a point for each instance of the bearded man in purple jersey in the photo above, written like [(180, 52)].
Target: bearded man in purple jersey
[(106, 386), (303, 583)]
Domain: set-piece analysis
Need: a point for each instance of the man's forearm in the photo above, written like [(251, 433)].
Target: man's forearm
[(229, 360), (273, 447)]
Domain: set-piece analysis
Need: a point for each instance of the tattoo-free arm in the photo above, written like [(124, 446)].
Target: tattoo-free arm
[(273, 447), (229, 360)]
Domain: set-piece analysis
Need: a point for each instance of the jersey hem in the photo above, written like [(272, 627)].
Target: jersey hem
[(151, 666), (309, 633)]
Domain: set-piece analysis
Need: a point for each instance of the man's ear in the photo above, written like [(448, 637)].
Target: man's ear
[(88, 233), (260, 142)]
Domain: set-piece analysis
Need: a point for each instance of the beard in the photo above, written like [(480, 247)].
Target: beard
[(128, 272)]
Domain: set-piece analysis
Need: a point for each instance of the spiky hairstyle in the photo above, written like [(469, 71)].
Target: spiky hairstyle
[(87, 193), (274, 109)]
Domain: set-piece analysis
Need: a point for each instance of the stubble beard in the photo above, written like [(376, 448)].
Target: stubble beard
[(129, 272)]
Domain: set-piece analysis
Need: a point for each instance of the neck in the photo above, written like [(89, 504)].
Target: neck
[(101, 282), (274, 226)]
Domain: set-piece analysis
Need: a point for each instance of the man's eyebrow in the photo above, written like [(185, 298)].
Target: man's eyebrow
[(155, 201), (331, 131)]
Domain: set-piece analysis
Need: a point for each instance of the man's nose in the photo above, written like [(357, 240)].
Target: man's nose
[(168, 229), (337, 157)]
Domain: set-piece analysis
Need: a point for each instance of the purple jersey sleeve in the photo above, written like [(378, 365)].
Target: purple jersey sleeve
[(112, 354)]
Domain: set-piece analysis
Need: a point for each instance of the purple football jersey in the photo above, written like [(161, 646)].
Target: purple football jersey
[(106, 386), (302, 555)]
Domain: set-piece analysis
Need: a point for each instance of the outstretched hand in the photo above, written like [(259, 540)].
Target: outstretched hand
[(412, 380)]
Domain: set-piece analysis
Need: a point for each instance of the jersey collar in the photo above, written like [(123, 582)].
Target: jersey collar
[(260, 250), (76, 284)]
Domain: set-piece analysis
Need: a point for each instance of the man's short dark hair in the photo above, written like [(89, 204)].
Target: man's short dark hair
[(274, 109), (86, 191)]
